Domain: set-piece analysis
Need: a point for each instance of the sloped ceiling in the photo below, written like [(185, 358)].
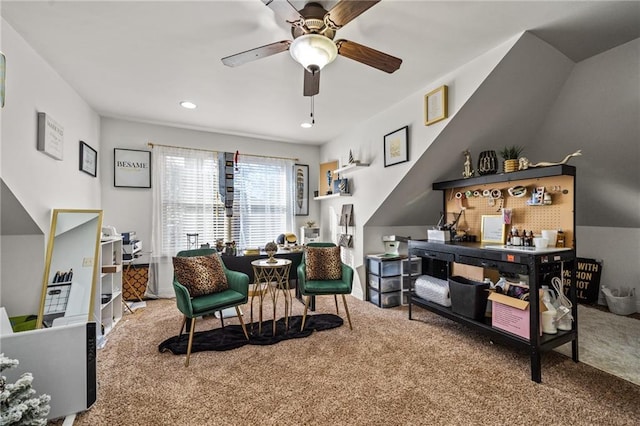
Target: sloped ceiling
[(14, 219), (508, 108)]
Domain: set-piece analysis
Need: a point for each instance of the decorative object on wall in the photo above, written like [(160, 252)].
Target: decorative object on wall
[(50, 136), (468, 171), (227, 163), (329, 178), (545, 163), (510, 155), (88, 159), (492, 229), (396, 147), (346, 220), (436, 105), (301, 173), (3, 73), (131, 168), (487, 163)]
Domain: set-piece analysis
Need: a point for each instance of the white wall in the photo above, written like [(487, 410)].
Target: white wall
[(129, 209), (38, 181), (598, 111), (371, 186)]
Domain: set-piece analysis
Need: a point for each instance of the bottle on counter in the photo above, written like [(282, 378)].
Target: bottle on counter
[(560, 239)]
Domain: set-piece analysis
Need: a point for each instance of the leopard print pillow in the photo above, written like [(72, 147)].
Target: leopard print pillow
[(323, 263), (200, 274)]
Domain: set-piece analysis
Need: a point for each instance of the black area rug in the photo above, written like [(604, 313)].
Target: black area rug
[(232, 336)]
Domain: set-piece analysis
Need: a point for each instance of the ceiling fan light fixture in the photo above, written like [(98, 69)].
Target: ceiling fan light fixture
[(313, 51)]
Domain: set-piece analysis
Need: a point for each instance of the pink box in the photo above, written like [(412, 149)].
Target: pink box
[(511, 314)]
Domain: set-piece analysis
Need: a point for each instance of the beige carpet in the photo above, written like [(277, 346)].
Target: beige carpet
[(388, 370)]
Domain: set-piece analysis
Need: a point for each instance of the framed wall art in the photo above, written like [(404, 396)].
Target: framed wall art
[(301, 176), (436, 105), (50, 136), (396, 147), (88, 159), (131, 168)]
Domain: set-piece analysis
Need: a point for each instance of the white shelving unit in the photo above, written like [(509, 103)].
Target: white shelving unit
[(350, 167), (324, 197), (110, 286)]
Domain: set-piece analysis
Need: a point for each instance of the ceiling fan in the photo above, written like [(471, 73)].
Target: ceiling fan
[(313, 29)]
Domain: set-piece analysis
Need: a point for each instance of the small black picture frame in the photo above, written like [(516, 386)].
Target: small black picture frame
[(88, 159), (396, 147)]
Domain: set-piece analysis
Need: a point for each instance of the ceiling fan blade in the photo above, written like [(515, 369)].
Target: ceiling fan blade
[(368, 56), (345, 11), (257, 53), (284, 9), (311, 83)]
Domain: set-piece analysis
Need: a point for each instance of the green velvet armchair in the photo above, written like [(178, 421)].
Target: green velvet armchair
[(193, 307), (310, 288)]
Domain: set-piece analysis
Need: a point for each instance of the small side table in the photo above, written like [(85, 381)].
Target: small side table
[(272, 277)]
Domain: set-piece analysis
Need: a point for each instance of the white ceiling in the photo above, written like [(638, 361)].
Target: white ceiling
[(138, 60)]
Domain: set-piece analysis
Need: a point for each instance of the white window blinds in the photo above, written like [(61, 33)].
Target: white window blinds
[(187, 200)]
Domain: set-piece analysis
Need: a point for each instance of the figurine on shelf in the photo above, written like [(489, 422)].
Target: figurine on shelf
[(329, 178), (468, 172), (351, 159), (546, 163)]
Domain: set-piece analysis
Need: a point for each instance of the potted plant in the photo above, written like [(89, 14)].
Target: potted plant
[(510, 155)]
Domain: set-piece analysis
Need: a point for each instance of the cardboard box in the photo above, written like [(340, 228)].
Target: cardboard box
[(512, 315)]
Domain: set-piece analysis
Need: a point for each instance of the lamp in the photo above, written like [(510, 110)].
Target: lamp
[(313, 51)]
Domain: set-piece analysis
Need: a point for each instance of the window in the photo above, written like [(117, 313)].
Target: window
[(187, 200)]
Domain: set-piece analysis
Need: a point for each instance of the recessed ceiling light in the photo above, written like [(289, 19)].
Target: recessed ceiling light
[(306, 125), (188, 105)]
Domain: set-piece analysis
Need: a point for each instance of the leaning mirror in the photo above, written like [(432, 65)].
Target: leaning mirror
[(71, 267)]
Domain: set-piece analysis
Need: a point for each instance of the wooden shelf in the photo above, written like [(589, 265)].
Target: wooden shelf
[(324, 197), (350, 167)]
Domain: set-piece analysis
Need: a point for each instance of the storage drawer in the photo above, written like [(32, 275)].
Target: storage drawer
[(413, 266), (447, 257), (385, 268), (385, 284), (385, 300), (514, 268)]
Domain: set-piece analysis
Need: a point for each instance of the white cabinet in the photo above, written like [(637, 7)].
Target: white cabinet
[(309, 235), (108, 296)]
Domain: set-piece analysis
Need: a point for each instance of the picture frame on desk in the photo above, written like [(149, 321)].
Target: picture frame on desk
[(492, 229)]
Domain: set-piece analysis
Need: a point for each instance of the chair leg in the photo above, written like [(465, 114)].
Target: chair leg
[(184, 321), (304, 315), (193, 327), (221, 319), (244, 328), (335, 298), (344, 300)]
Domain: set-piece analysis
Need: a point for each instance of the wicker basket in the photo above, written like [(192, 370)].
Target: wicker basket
[(134, 282)]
